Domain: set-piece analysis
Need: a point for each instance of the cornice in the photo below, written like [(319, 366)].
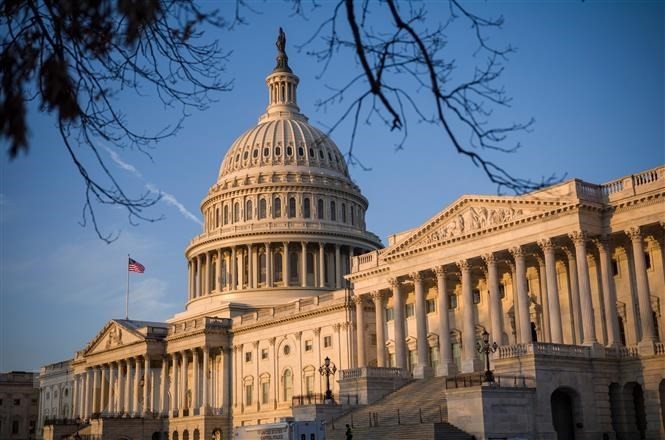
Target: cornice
[(295, 317)]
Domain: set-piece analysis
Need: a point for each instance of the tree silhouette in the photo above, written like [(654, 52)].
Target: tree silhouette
[(77, 56)]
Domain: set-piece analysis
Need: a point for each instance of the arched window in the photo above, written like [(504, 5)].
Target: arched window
[(262, 208), (236, 212), (353, 215), (306, 208), (248, 210), (319, 209), (333, 212), (277, 267), (343, 213), (277, 208), (292, 207), (226, 214), (287, 381), (217, 217)]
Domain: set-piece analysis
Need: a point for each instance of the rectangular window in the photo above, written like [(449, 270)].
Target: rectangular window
[(309, 385), (502, 291), (249, 391), (309, 345), (264, 353), (434, 357), (647, 260), (15, 427), (615, 267), (452, 301), (430, 306), (265, 392), (390, 314), (327, 341), (409, 310), (17, 402), (476, 296), (248, 356)]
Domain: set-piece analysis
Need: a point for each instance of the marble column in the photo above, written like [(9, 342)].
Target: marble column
[(128, 387), (360, 330), (588, 322), (398, 309), (136, 408), (184, 386), (121, 387), (338, 267), (552, 291), (175, 382), (163, 378), (522, 295), (303, 264), (423, 368), (610, 298), (112, 390), (322, 265), (103, 399), (470, 361), (76, 385), (576, 309), (544, 299), (380, 319), (96, 373), (147, 386), (642, 284), (285, 264), (204, 392), (195, 378), (495, 297), (269, 274), (205, 264), (232, 268), (446, 365)]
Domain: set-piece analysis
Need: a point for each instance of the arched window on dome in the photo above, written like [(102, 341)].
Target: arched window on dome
[(262, 268), (236, 212), (292, 207), (217, 217), (226, 214), (319, 209), (306, 208), (245, 269), (311, 153), (262, 208), (353, 215), (277, 208), (248, 210), (333, 211), (343, 213), (277, 267)]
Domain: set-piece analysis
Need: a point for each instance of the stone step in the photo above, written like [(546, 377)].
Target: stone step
[(426, 431)]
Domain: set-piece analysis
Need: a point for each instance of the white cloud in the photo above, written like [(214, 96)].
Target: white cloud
[(149, 300)]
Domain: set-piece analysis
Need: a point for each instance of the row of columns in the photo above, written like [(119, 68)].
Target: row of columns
[(580, 291), (120, 387), (132, 387), (207, 274)]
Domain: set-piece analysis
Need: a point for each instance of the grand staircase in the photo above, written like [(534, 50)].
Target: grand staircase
[(416, 411)]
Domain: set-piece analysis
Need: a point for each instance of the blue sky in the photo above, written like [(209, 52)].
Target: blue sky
[(590, 73)]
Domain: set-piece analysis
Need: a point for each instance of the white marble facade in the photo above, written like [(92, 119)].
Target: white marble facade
[(285, 274)]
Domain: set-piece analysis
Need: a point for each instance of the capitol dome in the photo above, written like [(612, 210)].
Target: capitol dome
[(284, 218)]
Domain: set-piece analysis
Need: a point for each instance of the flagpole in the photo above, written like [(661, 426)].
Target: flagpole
[(127, 295)]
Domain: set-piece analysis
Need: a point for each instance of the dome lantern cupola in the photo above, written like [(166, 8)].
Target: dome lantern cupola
[(282, 84)]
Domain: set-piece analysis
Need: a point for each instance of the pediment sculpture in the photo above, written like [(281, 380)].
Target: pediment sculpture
[(114, 337)]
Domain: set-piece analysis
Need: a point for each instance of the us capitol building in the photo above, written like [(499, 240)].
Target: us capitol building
[(568, 281)]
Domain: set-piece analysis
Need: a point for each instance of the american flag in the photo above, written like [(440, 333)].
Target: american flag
[(135, 266)]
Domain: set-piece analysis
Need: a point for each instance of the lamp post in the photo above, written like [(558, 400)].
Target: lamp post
[(328, 369), (487, 348)]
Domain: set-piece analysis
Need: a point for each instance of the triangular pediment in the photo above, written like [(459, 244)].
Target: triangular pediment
[(470, 215), (113, 335)]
